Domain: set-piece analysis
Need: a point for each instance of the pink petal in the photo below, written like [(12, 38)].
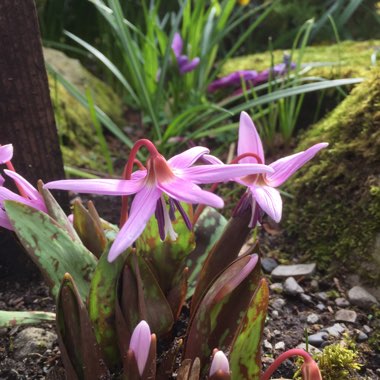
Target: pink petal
[(140, 344), (4, 220), (30, 190), (185, 191), (188, 157), (6, 194), (249, 140), (6, 153), (219, 363), (208, 158), (99, 186), (142, 208), (220, 173), (177, 44), (269, 200), (285, 167)]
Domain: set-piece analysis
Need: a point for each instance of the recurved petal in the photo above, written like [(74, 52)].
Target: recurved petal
[(188, 192), (99, 186), (188, 157), (142, 208), (6, 153), (6, 194), (285, 167), (269, 200), (189, 65), (220, 173), (249, 139), (29, 190), (4, 220)]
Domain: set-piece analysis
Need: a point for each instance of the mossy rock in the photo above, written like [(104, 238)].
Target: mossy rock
[(79, 143), (335, 215), (350, 58)]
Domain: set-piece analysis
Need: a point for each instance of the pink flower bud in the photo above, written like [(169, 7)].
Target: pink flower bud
[(140, 344), (219, 363), (310, 371)]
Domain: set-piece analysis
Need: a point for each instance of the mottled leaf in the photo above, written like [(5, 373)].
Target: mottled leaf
[(51, 247), (19, 318), (245, 354), (102, 303), (208, 230), (81, 354)]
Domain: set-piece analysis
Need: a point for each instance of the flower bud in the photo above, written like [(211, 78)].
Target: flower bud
[(140, 344), (219, 363), (310, 371)]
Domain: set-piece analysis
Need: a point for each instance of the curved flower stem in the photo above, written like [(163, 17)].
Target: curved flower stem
[(19, 188), (128, 172), (286, 355), (244, 155)]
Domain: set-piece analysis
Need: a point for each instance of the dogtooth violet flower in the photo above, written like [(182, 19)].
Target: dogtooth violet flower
[(184, 63), (219, 363), (140, 344), (262, 187), (177, 178), (30, 197)]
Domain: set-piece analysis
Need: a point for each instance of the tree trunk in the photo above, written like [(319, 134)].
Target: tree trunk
[(26, 113)]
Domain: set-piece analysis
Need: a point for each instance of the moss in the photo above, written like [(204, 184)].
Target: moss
[(351, 59), (335, 215), (77, 135)]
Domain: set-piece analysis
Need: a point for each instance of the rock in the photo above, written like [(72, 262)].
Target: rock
[(279, 346), (298, 270), (367, 329), (314, 284), (312, 318), (341, 302), (306, 298), (267, 345), (321, 307), (291, 287), (32, 340), (345, 315), (278, 303), (361, 337), (277, 287), (360, 297), (275, 314), (322, 296), (311, 349), (336, 330), (268, 264), (318, 339)]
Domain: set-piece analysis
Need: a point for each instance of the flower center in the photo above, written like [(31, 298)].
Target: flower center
[(158, 170), (257, 179)]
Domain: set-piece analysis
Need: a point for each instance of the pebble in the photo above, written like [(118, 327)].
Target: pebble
[(321, 307), (361, 336), (312, 318), (275, 314), (345, 315), (285, 271), (318, 339), (309, 348), (341, 302), (291, 287), (278, 303), (268, 264), (360, 297), (267, 345), (367, 329), (277, 287), (336, 330), (314, 284), (306, 298), (322, 296), (279, 346), (32, 340), (277, 332)]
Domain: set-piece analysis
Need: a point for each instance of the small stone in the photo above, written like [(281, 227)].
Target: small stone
[(306, 298), (32, 340), (336, 330), (285, 271), (312, 318), (360, 297), (277, 332), (275, 314), (321, 306), (278, 303), (345, 315), (361, 336), (267, 345), (291, 287), (309, 348), (279, 346), (318, 339), (322, 296), (314, 284), (367, 329), (341, 302), (277, 287), (268, 264)]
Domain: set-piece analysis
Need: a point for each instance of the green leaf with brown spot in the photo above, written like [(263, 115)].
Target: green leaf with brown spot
[(102, 302), (51, 247), (19, 318), (245, 354)]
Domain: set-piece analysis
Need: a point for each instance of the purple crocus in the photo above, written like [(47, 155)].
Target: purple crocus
[(176, 177), (262, 188), (31, 197), (219, 364), (6, 153), (140, 344), (184, 63)]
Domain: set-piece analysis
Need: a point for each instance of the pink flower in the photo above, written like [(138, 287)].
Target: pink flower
[(176, 177), (140, 344), (262, 188), (6, 153), (219, 363), (310, 370), (32, 197), (184, 63)]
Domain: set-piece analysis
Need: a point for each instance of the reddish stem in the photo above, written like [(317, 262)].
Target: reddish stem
[(286, 355), (128, 172), (19, 188), (244, 155)]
